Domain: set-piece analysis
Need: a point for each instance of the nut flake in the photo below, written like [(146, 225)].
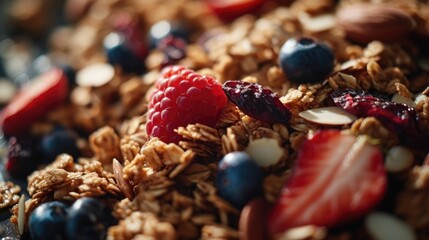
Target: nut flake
[(328, 116), (265, 151), (399, 159), (96, 75), (385, 226)]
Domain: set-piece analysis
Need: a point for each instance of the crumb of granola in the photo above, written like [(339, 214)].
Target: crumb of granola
[(411, 202)]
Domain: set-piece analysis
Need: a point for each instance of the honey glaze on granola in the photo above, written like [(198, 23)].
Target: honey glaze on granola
[(165, 190)]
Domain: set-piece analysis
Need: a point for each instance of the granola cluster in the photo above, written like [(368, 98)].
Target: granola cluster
[(167, 191), (8, 194)]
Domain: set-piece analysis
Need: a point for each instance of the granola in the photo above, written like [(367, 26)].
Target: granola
[(159, 190)]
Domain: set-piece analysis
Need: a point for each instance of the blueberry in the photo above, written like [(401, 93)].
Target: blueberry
[(239, 179), (70, 72), (58, 142), (2, 71), (164, 29), (88, 218), (121, 52), (48, 221), (306, 61)]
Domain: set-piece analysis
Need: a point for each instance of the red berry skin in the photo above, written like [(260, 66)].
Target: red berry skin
[(34, 101), (183, 97), (228, 10), (256, 101), (337, 177)]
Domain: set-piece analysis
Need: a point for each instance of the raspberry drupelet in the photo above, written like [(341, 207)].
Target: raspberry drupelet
[(183, 97)]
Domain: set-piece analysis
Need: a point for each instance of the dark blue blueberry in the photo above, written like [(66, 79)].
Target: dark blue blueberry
[(88, 218), (239, 179), (2, 71), (306, 61), (48, 221), (58, 142), (70, 72), (23, 156), (122, 53), (164, 29)]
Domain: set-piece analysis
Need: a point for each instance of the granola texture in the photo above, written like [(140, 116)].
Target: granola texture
[(167, 191)]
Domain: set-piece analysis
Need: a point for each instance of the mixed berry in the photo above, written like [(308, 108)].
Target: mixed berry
[(397, 117), (183, 97), (305, 60), (243, 91), (49, 219), (34, 101), (24, 154), (239, 179), (86, 218), (257, 101), (336, 177)]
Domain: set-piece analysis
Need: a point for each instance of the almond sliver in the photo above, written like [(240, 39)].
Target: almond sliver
[(328, 116)]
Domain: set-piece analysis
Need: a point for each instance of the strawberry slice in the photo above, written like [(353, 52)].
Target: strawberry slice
[(337, 177), (230, 9), (34, 101)]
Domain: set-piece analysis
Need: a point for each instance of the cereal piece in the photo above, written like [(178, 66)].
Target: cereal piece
[(218, 232), (105, 144), (235, 139), (411, 202), (141, 225), (9, 194), (372, 127)]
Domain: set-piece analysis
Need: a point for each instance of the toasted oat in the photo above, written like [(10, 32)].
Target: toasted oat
[(411, 202), (218, 232), (9, 194), (141, 225), (105, 144), (372, 127)]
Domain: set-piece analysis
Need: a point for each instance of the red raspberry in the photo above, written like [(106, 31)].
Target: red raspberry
[(183, 97)]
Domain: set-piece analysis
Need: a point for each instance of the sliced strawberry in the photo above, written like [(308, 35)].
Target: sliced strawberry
[(229, 9), (34, 101), (337, 177)]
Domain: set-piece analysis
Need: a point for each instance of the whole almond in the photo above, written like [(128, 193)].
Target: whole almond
[(364, 23)]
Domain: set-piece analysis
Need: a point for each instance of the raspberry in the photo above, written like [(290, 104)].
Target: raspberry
[(183, 97)]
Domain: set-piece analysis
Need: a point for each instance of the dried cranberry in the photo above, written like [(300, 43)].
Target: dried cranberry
[(397, 117), (174, 50), (256, 101), (23, 156)]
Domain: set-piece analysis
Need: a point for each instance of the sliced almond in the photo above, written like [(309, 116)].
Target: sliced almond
[(304, 232), (7, 91), (348, 78), (122, 183), (265, 151), (81, 96), (419, 98), (21, 214), (398, 98), (318, 23), (328, 116), (95, 75), (399, 159), (383, 226)]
